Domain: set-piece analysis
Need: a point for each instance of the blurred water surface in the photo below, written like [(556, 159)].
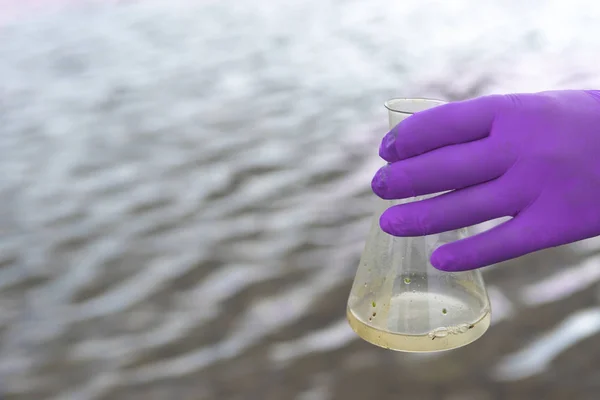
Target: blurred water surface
[(185, 195)]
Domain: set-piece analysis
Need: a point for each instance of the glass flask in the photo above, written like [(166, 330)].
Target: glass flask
[(398, 300)]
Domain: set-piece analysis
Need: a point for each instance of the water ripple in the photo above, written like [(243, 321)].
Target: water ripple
[(186, 194)]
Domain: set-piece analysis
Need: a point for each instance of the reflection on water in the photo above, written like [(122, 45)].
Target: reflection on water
[(535, 358), (185, 195)]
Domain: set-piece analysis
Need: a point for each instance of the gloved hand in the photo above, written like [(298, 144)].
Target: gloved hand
[(534, 157)]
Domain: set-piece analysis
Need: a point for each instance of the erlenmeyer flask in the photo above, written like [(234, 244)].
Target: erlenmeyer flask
[(399, 301)]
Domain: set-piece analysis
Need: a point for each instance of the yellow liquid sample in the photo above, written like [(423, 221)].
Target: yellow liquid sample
[(437, 340), (417, 321)]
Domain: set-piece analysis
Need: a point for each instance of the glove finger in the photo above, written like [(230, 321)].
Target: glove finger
[(444, 125), (448, 168), (454, 210), (514, 238)]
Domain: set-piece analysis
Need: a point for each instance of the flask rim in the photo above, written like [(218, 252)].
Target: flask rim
[(409, 106)]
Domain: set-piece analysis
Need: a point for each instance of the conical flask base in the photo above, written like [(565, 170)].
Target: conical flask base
[(421, 321), (399, 301)]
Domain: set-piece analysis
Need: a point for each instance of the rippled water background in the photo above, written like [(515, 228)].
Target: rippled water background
[(185, 195)]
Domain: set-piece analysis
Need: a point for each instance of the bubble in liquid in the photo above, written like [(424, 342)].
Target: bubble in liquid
[(438, 333)]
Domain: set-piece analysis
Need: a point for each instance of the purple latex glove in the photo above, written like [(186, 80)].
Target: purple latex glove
[(534, 157)]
